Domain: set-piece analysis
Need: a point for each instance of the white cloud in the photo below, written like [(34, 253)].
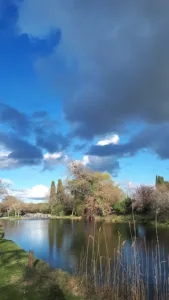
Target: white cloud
[(109, 140), (37, 192), (51, 160), (5, 161), (52, 156)]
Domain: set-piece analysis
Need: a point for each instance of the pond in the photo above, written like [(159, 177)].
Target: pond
[(64, 243)]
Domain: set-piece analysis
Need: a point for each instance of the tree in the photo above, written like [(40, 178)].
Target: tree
[(143, 198), (103, 198), (159, 180), (52, 197), (60, 192), (160, 203), (3, 189), (94, 190), (10, 203)]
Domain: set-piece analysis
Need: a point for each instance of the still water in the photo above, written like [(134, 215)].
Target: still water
[(62, 243)]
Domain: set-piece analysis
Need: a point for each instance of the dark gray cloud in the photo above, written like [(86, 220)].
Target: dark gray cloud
[(23, 138), (154, 138), (103, 164), (112, 64), (15, 120), (52, 142), (20, 151)]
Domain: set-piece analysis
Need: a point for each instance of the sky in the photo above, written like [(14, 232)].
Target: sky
[(87, 81)]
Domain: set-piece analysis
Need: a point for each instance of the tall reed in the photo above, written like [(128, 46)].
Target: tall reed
[(132, 272)]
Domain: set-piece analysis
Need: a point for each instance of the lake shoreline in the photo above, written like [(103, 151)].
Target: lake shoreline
[(138, 219), (39, 281), (21, 272)]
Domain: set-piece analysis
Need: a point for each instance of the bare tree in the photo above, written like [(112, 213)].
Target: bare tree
[(10, 203), (160, 202), (143, 198), (3, 189)]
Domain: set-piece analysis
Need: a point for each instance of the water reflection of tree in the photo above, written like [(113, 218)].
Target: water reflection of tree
[(106, 238), (60, 233), (51, 236), (57, 232), (71, 237)]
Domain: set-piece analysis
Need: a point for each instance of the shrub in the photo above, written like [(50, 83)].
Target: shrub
[(45, 209), (80, 210), (1, 231), (128, 205), (119, 207), (123, 207), (58, 210)]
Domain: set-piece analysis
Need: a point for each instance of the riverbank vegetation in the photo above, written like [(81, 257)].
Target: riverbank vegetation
[(24, 277), (91, 195)]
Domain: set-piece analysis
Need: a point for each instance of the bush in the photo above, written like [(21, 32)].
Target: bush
[(1, 231), (12, 213), (128, 205), (119, 207), (123, 207), (45, 209), (58, 210), (79, 210)]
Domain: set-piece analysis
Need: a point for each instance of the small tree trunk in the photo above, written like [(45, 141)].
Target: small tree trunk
[(73, 211), (30, 259)]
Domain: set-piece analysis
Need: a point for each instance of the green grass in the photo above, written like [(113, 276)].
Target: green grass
[(142, 219), (19, 282), (66, 217)]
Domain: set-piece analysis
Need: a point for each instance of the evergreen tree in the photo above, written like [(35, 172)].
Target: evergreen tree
[(52, 197), (60, 192), (156, 180), (159, 180)]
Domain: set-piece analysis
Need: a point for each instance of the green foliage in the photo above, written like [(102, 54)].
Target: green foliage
[(52, 197), (159, 180), (60, 192), (128, 205), (41, 282), (45, 209), (1, 231), (79, 210), (123, 207), (95, 190), (58, 210), (119, 207), (12, 213)]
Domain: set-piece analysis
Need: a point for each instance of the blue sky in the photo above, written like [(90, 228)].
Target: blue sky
[(74, 73)]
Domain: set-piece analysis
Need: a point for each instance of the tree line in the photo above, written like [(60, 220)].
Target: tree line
[(85, 193), (88, 193)]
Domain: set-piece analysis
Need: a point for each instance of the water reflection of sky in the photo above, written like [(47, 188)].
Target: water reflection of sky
[(61, 242)]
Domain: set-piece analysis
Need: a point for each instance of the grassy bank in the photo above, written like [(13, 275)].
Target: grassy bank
[(114, 218), (140, 219), (51, 217), (18, 281), (67, 217)]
